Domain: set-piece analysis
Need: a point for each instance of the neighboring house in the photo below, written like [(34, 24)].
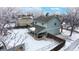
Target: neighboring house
[(24, 20), (50, 24)]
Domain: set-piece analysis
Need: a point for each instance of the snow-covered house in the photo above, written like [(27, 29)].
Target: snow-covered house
[(50, 24)]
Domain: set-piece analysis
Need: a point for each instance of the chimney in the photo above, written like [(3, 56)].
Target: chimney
[(47, 14)]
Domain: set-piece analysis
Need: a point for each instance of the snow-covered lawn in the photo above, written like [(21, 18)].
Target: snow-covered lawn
[(70, 41)]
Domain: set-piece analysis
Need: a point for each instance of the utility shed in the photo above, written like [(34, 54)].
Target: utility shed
[(51, 24)]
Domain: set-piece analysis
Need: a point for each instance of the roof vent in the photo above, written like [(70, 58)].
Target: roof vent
[(47, 14)]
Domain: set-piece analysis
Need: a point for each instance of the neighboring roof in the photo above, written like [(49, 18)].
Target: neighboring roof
[(44, 19), (38, 28), (25, 16)]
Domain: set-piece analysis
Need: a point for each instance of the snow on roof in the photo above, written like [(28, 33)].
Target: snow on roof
[(20, 36)]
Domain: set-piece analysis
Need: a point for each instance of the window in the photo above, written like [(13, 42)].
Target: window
[(42, 23), (35, 22), (54, 23)]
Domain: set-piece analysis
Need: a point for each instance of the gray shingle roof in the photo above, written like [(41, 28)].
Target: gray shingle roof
[(44, 19), (38, 29)]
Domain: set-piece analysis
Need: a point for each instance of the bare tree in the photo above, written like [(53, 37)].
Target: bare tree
[(7, 15), (72, 18)]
